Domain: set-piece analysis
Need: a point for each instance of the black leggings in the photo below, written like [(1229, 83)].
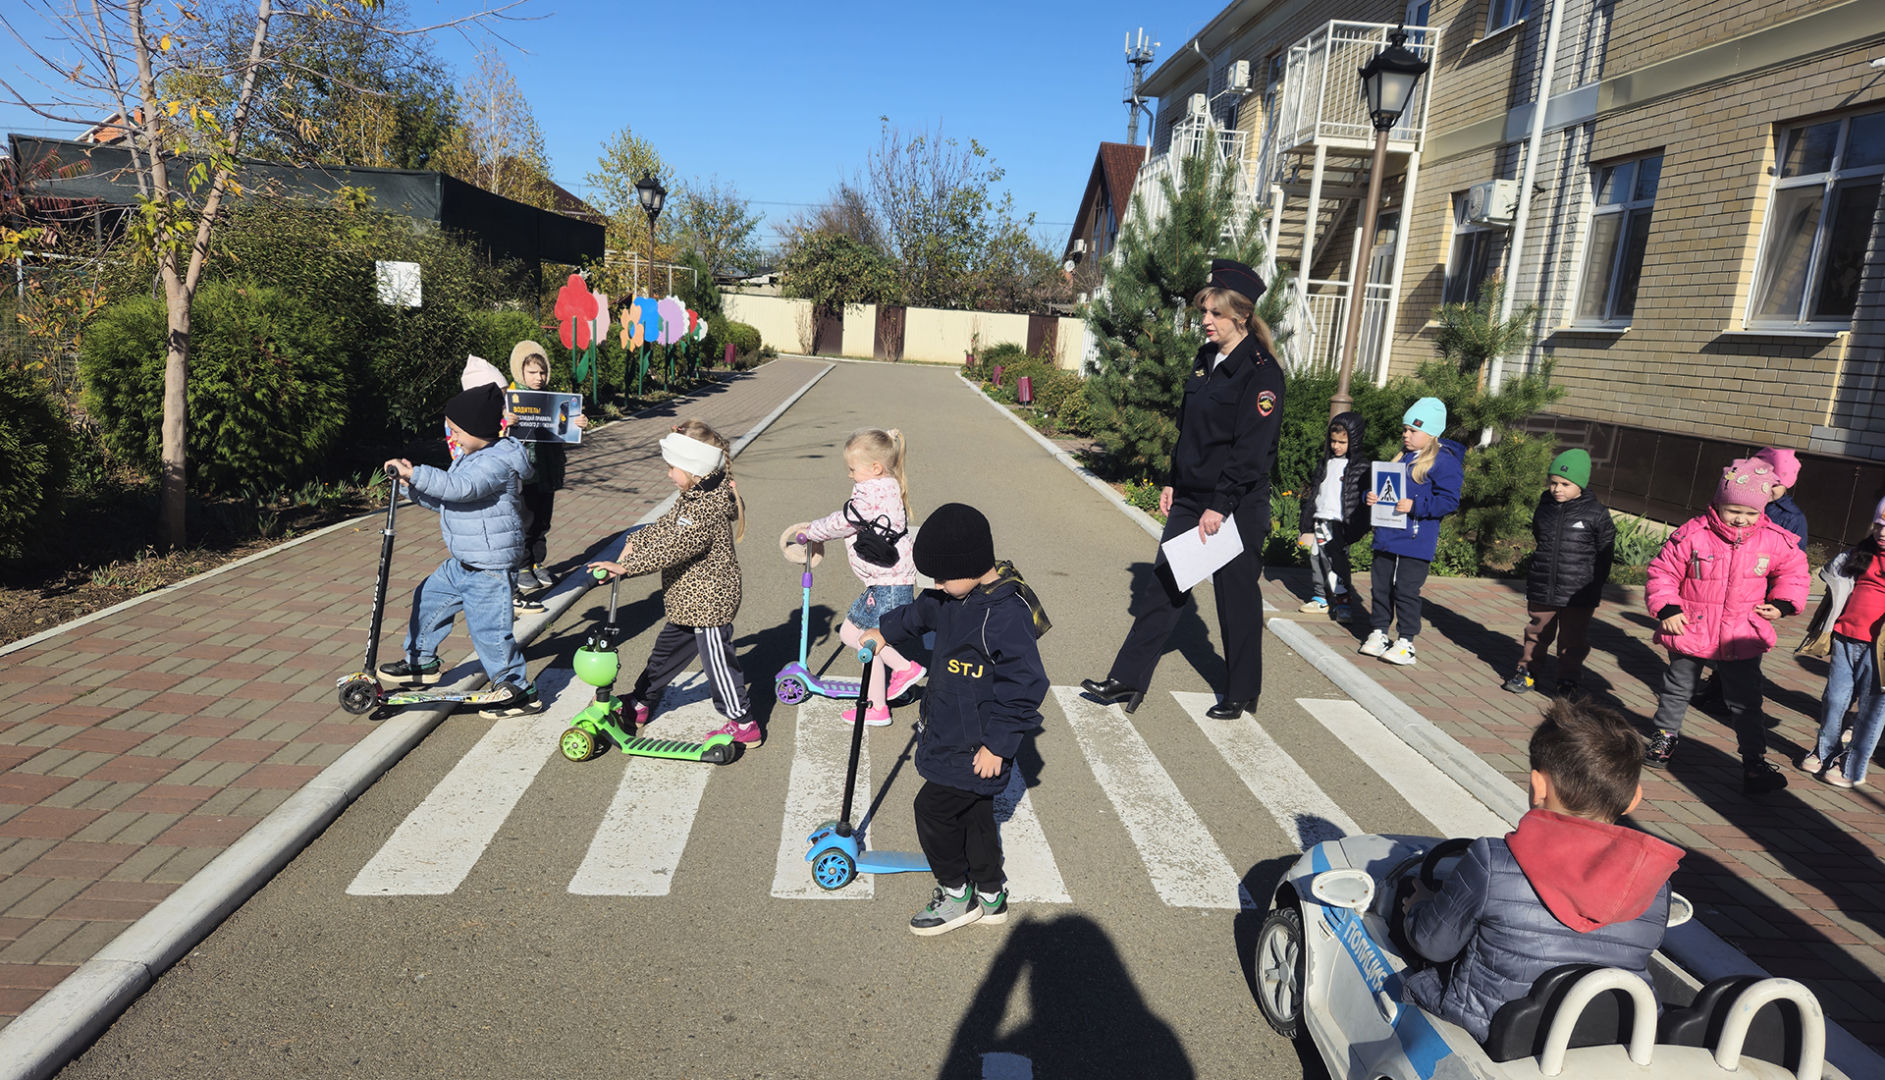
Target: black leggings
[(1396, 581)]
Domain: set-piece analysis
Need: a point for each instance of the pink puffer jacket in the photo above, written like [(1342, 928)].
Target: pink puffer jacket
[(1718, 575)]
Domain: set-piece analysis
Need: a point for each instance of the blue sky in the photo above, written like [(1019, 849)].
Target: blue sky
[(783, 99)]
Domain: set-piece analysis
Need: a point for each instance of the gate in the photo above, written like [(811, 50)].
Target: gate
[(888, 344), (1044, 337), (827, 331)]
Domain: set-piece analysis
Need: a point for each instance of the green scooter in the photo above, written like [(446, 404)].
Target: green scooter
[(605, 723)]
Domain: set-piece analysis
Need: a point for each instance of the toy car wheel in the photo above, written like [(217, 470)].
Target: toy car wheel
[(577, 744), (359, 696), (790, 691), (833, 870), (1279, 970)]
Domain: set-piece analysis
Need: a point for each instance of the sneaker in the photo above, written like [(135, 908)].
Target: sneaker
[(873, 716), (524, 605), (994, 905), (1402, 653), (535, 577), (1811, 764), (903, 680), (1315, 605), (1763, 778), (426, 674), (1520, 682), (638, 714), (1838, 780), (1662, 746), (1376, 644), (510, 701), (1344, 613), (745, 734), (944, 912)]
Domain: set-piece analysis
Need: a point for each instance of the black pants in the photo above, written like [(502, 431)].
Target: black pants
[(959, 837), (1570, 627), (1395, 582), (676, 648), (1740, 690), (1158, 605), (539, 507)]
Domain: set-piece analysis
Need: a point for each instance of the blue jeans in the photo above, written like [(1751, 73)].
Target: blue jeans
[(485, 598), (870, 607), (1849, 670)]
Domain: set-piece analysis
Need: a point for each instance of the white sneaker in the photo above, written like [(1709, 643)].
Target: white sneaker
[(1376, 644), (1315, 605), (1402, 653)]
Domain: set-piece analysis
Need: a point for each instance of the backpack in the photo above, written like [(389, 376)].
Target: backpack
[(876, 540)]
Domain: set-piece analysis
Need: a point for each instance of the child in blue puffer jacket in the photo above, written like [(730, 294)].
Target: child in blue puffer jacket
[(984, 694), (1435, 469), (479, 502)]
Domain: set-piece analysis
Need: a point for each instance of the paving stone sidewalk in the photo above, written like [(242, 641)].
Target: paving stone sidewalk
[(1793, 880), (139, 746)]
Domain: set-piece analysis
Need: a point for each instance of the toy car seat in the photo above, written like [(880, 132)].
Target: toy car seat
[(1776, 1035), (1520, 1028)]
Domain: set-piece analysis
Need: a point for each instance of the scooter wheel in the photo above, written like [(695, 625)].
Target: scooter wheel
[(359, 696), (577, 744), (790, 691), (833, 870)]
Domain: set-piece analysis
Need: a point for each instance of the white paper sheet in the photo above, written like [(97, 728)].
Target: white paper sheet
[(1193, 559)]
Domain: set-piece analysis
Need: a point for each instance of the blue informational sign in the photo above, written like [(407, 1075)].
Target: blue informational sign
[(1390, 487)]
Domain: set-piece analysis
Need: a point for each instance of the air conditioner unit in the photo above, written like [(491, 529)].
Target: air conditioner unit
[(1198, 106), (1494, 202), (1238, 78), (1079, 247)]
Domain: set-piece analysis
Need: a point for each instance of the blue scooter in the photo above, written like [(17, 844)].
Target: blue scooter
[(795, 683), (837, 854)]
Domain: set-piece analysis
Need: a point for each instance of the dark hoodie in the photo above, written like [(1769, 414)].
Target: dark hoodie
[(1556, 890), (1356, 476), (986, 682)]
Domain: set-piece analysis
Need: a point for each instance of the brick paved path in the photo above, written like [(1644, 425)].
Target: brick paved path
[(139, 746), (1793, 880)]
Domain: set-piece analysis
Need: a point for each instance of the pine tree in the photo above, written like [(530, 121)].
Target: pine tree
[(1147, 333)]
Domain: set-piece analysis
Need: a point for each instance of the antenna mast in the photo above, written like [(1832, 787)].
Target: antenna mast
[(1139, 53)]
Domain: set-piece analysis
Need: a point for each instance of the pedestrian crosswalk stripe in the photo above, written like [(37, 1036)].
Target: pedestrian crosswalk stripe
[(1433, 794), (1300, 807), (639, 845), (1032, 875), (432, 851), (821, 746), (1188, 868)]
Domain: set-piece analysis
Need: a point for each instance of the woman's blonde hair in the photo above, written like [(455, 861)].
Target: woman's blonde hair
[(700, 431), (1424, 458), (1240, 309), (885, 447)]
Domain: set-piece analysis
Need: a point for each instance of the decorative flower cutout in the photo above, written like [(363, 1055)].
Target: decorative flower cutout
[(574, 301)]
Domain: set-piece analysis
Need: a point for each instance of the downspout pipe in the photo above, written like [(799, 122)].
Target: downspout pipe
[(1549, 69)]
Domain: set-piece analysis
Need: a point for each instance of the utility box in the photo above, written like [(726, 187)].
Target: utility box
[(1494, 202)]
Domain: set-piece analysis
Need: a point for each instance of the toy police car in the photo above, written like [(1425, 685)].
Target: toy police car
[(1327, 967)]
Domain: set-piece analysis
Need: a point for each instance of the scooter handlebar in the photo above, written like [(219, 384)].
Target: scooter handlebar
[(600, 574), (865, 652)]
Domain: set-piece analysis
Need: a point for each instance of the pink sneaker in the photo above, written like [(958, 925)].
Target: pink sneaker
[(640, 714), (749, 734), (901, 681), (873, 717)]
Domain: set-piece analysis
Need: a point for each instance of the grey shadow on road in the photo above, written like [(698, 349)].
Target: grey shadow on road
[(1086, 1018), (763, 653), (1191, 638)]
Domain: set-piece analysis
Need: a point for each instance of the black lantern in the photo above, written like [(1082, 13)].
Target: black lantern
[(1388, 80), (652, 194)]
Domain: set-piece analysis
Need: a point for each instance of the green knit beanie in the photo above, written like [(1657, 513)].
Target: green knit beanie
[(1573, 465)]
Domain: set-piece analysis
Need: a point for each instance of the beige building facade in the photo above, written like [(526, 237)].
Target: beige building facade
[(1704, 238)]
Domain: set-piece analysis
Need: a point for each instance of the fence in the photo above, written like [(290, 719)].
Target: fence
[(935, 335)]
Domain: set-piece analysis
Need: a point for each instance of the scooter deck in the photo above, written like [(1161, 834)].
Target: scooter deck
[(891, 862), (717, 750), (414, 696), (838, 688)]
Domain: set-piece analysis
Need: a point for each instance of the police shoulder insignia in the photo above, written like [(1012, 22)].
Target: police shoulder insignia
[(1266, 402)]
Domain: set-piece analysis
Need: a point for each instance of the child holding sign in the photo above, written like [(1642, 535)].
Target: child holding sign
[(1435, 467)]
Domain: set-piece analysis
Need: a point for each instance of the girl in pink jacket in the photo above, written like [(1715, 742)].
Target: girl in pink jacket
[(875, 526), (1717, 586)]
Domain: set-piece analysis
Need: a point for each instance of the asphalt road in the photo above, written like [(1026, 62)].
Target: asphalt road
[(507, 972)]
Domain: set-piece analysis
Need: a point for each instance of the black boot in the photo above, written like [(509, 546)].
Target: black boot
[(1231, 710), (1112, 692)]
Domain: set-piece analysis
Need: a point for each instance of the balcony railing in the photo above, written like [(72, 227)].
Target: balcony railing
[(1327, 306), (1322, 101), (1196, 137)]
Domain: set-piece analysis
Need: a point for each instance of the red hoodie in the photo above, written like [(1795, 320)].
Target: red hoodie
[(1590, 874)]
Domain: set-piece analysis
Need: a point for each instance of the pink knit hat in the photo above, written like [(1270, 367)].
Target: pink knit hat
[(1785, 462), (1748, 482)]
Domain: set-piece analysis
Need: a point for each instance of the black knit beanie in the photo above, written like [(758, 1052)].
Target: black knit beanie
[(954, 542), (477, 410)]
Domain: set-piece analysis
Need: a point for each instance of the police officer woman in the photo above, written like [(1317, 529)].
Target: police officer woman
[(1227, 434)]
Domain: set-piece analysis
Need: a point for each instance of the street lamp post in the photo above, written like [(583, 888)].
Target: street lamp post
[(652, 195), (1388, 83)]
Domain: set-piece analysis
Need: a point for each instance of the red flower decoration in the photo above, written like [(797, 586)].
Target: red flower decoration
[(575, 301)]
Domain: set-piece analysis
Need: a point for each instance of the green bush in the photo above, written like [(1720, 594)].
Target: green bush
[(1143, 494), (492, 334), (36, 444), (267, 395)]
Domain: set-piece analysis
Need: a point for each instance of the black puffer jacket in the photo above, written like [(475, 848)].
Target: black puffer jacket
[(1356, 478), (1576, 543)]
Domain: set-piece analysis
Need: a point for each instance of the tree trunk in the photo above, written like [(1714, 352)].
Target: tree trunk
[(172, 516)]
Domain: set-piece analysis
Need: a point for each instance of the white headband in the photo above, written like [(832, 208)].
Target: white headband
[(690, 455)]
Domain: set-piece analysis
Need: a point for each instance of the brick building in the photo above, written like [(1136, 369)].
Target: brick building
[(1704, 238)]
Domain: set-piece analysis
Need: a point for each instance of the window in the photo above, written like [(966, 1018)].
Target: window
[(1503, 13), (1619, 226), (1474, 257), (1819, 219)]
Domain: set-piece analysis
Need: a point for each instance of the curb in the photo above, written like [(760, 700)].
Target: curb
[(59, 1026), (1692, 951)]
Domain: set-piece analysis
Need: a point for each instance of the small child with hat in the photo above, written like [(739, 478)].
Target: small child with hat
[(530, 370), (479, 503), (1436, 470), (1574, 546), (986, 684)]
